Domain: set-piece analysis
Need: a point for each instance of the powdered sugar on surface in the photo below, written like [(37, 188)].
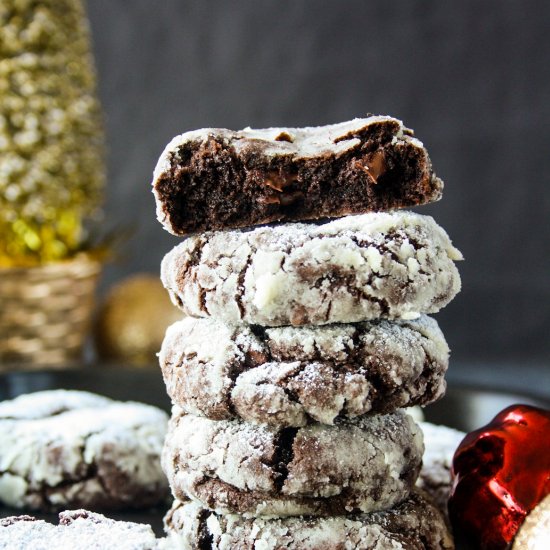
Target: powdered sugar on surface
[(77, 530)]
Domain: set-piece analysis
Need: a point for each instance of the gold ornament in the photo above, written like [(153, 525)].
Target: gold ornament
[(51, 139), (534, 534), (133, 319)]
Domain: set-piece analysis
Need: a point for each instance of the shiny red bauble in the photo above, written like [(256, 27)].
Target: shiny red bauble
[(501, 472)]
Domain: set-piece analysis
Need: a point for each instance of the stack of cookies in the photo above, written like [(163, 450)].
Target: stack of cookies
[(304, 339)]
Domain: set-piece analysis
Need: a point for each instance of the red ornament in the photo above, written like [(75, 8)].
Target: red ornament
[(501, 472)]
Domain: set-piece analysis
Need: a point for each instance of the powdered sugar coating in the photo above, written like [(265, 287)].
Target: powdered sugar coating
[(289, 376), (77, 530), (360, 465), (49, 403), (390, 265), (440, 444), (306, 142), (415, 523), (61, 448), (534, 533)]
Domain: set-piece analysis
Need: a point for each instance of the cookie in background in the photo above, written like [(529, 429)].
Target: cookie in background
[(67, 448)]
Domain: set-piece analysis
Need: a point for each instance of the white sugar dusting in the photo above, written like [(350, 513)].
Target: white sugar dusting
[(392, 265), (416, 516), (289, 375), (47, 438), (77, 530), (364, 459), (435, 477), (305, 142)]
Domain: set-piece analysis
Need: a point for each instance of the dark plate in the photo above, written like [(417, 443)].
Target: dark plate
[(464, 408)]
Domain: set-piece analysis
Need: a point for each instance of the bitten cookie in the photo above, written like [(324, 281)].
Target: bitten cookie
[(290, 376), (354, 269), (414, 524), (441, 443), (218, 179), (360, 465), (69, 448), (77, 530)]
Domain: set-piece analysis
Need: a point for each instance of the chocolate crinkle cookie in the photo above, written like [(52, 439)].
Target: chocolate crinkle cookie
[(359, 268), (440, 444), (70, 448), (213, 179), (77, 530), (359, 465), (415, 524), (292, 376)]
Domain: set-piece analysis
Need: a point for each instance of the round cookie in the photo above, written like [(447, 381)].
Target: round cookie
[(230, 466), (414, 524), (440, 444), (69, 448), (290, 376), (391, 265), (77, 530)]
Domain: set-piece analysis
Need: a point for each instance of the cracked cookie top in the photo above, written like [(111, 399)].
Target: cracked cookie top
[(67, 447), (364, 464), (358, 268), (291, 376), (415, 523)]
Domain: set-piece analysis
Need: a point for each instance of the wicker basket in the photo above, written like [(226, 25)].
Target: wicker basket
[(45, 312)]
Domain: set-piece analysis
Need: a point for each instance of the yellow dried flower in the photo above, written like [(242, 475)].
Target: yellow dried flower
[(51, 139)]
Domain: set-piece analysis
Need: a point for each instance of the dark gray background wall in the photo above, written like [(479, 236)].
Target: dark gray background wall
[(472, 79)]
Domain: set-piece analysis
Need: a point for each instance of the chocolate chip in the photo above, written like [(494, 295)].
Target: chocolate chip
[(212, 181), (279, 180), (374, 165), (284, 136)]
